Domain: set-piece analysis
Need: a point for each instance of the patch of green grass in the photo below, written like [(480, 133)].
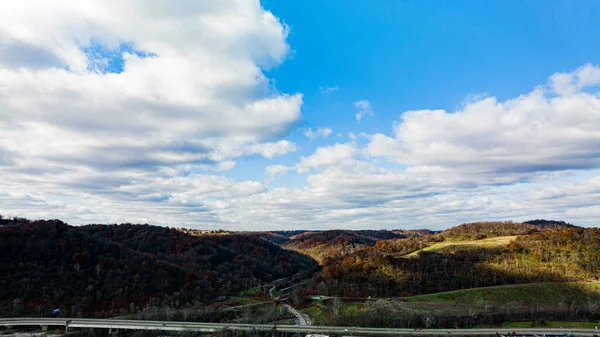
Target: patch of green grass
[(352, 308), (315, 312), (244, 300), (250, 291), (555, 294), (447, 245)]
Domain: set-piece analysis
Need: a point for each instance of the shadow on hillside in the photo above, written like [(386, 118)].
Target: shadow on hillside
[(426, 273)]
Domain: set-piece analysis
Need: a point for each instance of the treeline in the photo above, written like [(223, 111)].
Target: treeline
[(485, 230), (104, 270)]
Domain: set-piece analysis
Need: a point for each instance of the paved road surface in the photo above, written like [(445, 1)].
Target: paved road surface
[(271, 293), (301, 319), (215, 327)]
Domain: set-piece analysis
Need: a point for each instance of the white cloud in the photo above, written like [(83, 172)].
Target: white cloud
[(271, 150), (202, 87), (364, 109), (338, 154), (573, 82), (274, 171), (113, 95), (543, 131), (321, 132)]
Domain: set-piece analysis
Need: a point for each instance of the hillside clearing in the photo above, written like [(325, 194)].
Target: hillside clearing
[(448, 245)]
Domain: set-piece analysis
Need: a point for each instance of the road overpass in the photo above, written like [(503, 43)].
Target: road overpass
[(122, 324)]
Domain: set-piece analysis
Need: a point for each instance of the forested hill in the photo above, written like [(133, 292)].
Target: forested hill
[(483, 230), (48, 264)]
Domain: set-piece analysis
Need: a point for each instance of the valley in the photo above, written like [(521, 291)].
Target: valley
[(473, 275)]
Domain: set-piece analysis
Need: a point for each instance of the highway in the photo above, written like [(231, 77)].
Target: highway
[(216, 327)]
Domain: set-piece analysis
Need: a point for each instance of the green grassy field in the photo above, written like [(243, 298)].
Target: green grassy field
[(523, 294), (250, 291), (515, 300), (448, 245), (315, 312), (242, 300)]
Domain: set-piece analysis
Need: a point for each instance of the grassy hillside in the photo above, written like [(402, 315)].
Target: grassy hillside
[(524, 305), (450, 246), (534, 294)]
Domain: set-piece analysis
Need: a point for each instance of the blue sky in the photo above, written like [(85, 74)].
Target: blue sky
[(406, 55), (243, 115)]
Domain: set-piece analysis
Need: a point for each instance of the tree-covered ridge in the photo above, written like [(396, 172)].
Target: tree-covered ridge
[(49, 264), (483, 230)]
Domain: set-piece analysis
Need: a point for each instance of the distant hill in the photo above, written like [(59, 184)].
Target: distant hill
[(334, 243), (276, 237), (414, 233), (48, 264)]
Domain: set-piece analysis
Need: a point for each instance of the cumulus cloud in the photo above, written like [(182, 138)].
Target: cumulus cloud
[(191, 81), (364, 108), (271, 150), (320, 132), (336, 155), (100, 96), (548, 129), (274, 171)]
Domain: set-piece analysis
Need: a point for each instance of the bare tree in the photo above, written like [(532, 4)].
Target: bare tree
[(98, 269)]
